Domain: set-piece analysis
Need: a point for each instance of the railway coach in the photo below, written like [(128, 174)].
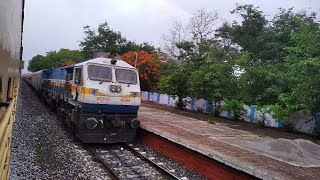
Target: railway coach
[(11, 49), (99, 98)]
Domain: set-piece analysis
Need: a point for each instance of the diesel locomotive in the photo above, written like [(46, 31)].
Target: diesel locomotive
[(98, 98)]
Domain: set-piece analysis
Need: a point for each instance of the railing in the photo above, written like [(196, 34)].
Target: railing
[(6, 124)]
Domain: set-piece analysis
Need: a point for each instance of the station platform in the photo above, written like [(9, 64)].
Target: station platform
[(260, 155)]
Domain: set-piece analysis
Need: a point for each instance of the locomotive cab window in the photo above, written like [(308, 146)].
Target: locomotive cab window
[(126, 76), (78, 76), (99, 73)]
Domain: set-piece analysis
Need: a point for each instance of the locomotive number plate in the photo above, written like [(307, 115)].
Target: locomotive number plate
[(125, 100), (103, 99)]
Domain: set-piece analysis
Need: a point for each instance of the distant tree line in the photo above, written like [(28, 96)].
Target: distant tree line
[(103, 40), (54, 59)]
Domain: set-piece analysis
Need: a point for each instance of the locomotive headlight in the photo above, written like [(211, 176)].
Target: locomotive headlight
[(91, 123), (118, 89), (135, 123), (94, 91), (115, 88), (134, 94)]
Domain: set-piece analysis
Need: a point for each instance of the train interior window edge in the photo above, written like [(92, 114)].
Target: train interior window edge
[(1, 95)]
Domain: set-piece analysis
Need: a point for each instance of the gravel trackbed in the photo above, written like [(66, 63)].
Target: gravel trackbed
[(42, 148)]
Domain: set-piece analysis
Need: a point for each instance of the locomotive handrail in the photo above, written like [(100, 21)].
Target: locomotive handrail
[(6, 124)]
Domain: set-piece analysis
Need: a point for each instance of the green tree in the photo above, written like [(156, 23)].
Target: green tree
[(248, 33), (265, 48), (303, 62), (203, 62), (104, 40), (213, 82), (277, 63), (176, 83), (107, 40), (235, 107), (36, 63)]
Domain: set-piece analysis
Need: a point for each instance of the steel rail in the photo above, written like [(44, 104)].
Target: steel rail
[(111, 172), (150, 162)]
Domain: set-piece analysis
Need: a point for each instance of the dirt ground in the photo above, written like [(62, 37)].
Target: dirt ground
[(239, 125)]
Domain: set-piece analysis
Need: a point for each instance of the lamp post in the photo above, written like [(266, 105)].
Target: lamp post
[(135, 63)]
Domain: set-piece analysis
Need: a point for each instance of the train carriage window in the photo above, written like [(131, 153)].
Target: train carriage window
[(99, 73), (126, 76), (78, 76)]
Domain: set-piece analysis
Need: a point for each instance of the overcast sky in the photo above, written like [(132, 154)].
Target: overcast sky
[(54, 24)]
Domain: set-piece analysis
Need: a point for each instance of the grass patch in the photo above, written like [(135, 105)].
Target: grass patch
[(39, 154), (211, 121)]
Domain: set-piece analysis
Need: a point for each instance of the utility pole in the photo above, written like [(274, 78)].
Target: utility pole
[(135, 63)]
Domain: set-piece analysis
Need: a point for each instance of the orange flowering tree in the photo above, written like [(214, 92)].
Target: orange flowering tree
[(147, 64)]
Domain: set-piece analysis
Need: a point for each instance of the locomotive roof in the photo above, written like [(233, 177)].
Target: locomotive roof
[(105, 61)]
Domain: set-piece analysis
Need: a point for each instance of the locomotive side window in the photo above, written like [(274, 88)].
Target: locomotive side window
[(78, 76), (69, 74), (126, 76), (99, 73)]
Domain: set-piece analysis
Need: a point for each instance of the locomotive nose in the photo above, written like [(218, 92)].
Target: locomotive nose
[(135, 123)]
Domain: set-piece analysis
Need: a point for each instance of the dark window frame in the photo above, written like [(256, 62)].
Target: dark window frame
[(132, 70), (96, 79), (78, 77)]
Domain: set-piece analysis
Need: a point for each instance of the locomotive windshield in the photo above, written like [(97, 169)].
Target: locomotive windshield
[(126, 76), (99, 73)]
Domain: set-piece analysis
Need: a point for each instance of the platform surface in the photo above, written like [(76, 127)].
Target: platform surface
[(261, 156)]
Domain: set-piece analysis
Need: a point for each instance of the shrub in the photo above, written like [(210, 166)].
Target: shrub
[(180, 104), (287, 125), (217, 110), (283, 115), (236, 108)]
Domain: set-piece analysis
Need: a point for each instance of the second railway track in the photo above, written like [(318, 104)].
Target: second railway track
[(126, 161)]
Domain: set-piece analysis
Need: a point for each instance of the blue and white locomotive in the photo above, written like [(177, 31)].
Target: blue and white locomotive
[(99, 98)]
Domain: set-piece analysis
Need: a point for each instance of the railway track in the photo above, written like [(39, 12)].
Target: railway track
[(125, 161)]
